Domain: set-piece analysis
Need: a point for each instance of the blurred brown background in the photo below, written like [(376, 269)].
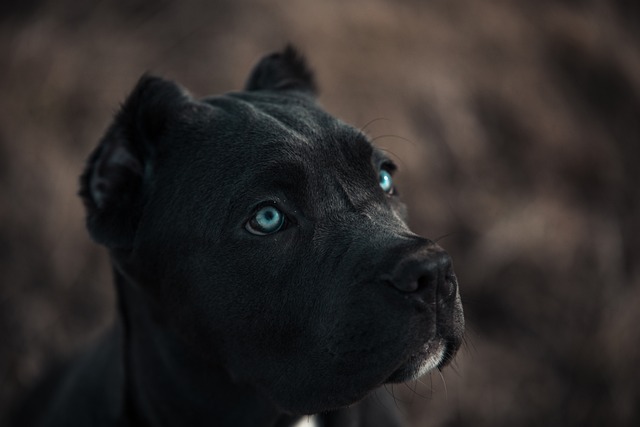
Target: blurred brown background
[(516, 126)]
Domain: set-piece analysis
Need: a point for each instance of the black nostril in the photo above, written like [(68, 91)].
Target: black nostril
[(425, 281), (432, 272), (447, 287)]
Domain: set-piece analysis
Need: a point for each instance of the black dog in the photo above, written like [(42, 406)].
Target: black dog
[(263, 265)]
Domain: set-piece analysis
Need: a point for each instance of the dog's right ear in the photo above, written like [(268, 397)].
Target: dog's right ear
[(286, 70), (112, 185)]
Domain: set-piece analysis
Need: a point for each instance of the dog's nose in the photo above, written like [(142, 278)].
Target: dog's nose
[(429, 273)]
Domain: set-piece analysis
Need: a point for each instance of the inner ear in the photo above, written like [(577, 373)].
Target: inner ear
[(112, 184), (114, 161), (286, 70)]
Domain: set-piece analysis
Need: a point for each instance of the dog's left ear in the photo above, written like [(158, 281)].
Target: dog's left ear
[(113, 184), (286, 70)]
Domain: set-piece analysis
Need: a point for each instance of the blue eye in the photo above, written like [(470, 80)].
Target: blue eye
[(385, 181), (266, 221)]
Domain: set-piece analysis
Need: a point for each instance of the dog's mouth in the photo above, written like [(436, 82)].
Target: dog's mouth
[(432, 355)]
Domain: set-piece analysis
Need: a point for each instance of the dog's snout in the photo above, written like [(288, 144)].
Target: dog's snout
[(430, 273)]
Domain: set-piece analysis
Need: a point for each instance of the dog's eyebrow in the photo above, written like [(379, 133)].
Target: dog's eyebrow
[(359, 144), (380, 158), (367, 149)]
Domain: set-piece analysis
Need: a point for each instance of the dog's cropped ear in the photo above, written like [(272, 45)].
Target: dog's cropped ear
[(111, 186), (286, 70)]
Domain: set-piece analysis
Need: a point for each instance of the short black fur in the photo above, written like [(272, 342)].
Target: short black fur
[(220, 326)]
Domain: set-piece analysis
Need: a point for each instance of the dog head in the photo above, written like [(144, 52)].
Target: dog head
[(271, 238)]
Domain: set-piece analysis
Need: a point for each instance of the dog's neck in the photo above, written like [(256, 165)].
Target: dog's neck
[(166, 383)]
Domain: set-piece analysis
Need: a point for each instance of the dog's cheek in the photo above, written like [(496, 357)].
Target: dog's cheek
[(234, 306), (273, 313), (400, 209)]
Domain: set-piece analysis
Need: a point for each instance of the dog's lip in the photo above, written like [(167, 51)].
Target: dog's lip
[(430, 356)]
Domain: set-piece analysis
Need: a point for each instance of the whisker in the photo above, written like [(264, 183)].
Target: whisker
[(392, 395), (467, 339), (429, 386), (413, 393), (414, 390), (398, 398), (444, 383), (375, 395), (362, 129), (444, 236), (394, 136), (454, 367)]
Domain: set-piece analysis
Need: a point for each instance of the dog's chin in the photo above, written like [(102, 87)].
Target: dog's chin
[(429, 356), (432, 355)]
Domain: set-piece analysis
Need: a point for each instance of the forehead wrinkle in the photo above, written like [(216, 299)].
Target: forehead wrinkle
[(295, 139), (267, 121), (351, 185), (274, 134), (302, 124)]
